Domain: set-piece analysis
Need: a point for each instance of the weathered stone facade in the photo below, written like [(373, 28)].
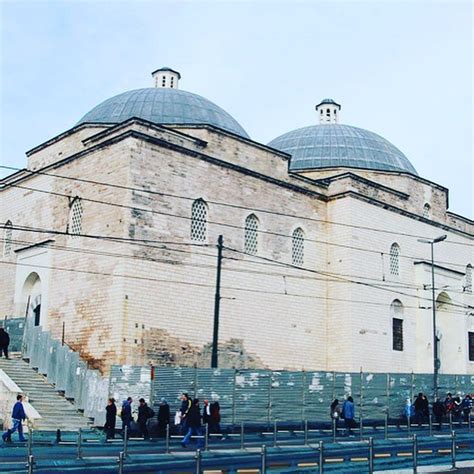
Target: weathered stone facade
[(134, 288)]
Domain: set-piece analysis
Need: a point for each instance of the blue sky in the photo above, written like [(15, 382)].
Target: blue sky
[(400, 69)]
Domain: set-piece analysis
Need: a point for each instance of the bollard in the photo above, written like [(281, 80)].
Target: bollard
[(30, 442), (206, 440), (450, 421), (321, 457), (79, 444), (415, 454), (242, 436), (198, 461), (334, 428), (409, 424), (125, 442), (453, 449), (430, 423), (305, 432), (386, 426), (361, 427), (120, 461), (263, 469), (167, 440), (371, 455), (31, 464), (275, 433), (58, 435)]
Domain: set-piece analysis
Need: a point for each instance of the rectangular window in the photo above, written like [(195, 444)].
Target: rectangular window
[(397, 334), (471, 346)]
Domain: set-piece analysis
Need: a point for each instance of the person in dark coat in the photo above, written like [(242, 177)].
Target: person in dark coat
[(110, 419), (215, 418), (186, 404), (143, 415), (4, 342), (419, 408), (126, 416), (439, 410), (206, 412), (194, 425), (18, 416), (163, 417)]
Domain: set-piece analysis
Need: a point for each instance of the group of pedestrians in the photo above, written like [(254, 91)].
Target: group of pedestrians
[(345, 412)]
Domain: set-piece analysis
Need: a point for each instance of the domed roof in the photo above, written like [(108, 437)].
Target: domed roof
[(335, 145), (163, 106)]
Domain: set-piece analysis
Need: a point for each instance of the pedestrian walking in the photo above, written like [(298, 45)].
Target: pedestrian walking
[(419, 406), (18, 416), (110, 419), (186, 404), (163, 417), (439, 410), (335, 410), (4, 342), (206, 412), (215, 418), (348, 413), (466, 407), (144, 414), (126, 415), (193, 424)]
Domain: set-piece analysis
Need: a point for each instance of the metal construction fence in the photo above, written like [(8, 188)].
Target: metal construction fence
[(264, 396), (244, 395)]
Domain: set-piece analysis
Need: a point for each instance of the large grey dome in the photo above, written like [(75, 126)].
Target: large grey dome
[(335, 145), (163, 106)]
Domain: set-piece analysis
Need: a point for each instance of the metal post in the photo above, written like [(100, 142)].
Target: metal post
[(453, 449), (269, 402), (303, 394), (167, 440), (430, 422), (206, 440), (321, 457), (305, 432), (198, 461), (371, 455), (435, 337), (415, 454), (217, 302), (63, 333), (263, 468), (361, 427), (30, 441), (387, 404), (334, 428), (79, 444), (31, 463), (469, 422), (386, 426), (233, 396), (275, 433), (450, 421), (125, 441), (242, 436), (409, 423), (121, 462)]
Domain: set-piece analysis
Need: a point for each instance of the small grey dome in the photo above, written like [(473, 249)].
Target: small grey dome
[(163, 106), (335, 145)]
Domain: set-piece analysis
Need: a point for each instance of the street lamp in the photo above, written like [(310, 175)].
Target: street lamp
[(436, 361)]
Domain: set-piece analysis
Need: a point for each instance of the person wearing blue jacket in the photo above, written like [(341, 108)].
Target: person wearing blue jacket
[(18, 415), (348, 413), (126, 416)]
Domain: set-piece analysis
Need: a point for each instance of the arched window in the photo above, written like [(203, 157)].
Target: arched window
[(395, 259), (251, 235), (396, 311), (199, 221), (468, 282), (297, 247), (426, 211), (75, 217), (7, 239)]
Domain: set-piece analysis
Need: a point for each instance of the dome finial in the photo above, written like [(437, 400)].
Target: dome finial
[(166, 77), (328, 111)]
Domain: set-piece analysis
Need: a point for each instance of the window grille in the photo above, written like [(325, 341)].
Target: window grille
[(251, 235), (471, 345), (8, 240), (397, 334), (395, 259), (199, 221), (297, 247), (426, 211), (468, 286), (75, 218)]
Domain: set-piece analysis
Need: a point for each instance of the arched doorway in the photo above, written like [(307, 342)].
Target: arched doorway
[(31, 296), (447, 334)]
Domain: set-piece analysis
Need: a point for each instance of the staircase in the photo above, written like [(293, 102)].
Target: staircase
[(55, 410)]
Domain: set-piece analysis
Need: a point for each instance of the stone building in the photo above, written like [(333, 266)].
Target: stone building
[(110, 232)]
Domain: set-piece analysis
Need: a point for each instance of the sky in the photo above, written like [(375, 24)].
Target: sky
[(401, 69)]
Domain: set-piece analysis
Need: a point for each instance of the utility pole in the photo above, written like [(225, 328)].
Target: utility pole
[(436, 361), (217, 303)]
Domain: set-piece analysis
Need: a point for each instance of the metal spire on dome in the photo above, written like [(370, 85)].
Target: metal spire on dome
[(328, 111), (166, 77)]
